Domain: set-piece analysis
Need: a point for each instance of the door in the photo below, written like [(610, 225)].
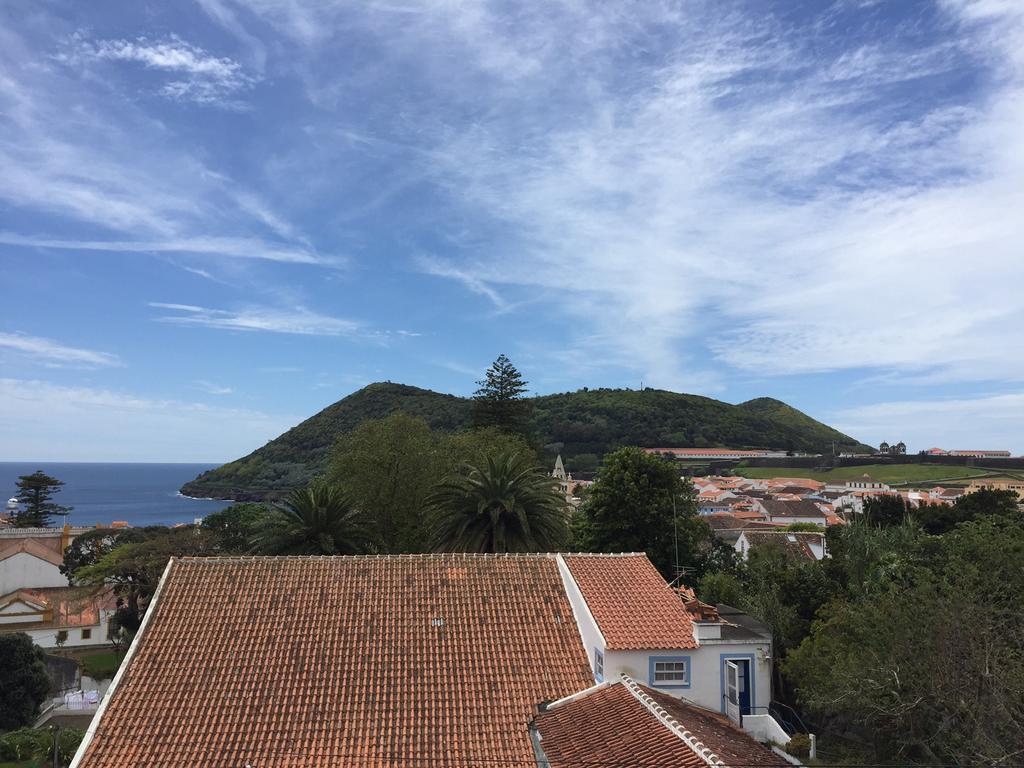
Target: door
[(733, 709), (743, 684)]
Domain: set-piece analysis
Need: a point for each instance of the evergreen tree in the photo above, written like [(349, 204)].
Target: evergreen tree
[(499, 400), (23, 680), (35, 505), (639, 503)]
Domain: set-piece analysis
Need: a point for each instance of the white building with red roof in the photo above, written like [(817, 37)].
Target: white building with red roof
[(394, 660)]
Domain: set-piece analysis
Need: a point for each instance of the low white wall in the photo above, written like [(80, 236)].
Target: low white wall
[(590, 635), (765, 729)]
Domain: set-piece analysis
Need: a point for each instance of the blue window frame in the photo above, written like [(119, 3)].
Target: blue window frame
[(669, 671), (598, 665)]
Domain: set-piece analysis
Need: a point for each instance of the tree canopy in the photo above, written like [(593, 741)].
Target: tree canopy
[(24, 682), (319, 519), (499, 402), (36, 507), (505, 504), (639, 503)]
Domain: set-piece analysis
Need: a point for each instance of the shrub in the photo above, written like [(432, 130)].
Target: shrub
[(799, 745)]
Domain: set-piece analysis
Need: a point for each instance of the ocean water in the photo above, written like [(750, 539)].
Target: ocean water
[(141, 494)]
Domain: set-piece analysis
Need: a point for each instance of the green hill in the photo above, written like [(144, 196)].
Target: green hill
[(584, 424)]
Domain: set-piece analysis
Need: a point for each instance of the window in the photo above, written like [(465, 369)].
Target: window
[(598, 665), (86, 634), (670, 671)]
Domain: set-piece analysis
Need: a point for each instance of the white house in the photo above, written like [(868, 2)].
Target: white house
[(631, 622), (35, 597), (59, 616), (788, 512), (397, 659), (804, 544)]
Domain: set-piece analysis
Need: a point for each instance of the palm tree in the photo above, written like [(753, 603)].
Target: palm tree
[(505, 505), (316, 520)]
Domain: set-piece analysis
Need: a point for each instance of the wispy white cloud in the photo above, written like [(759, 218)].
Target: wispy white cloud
[(433, 265), (988, 422), (755, 198), (89, 158), (234, 247), (197, 75), (297, 320), (212, 389), (72, 423), (55, 353)]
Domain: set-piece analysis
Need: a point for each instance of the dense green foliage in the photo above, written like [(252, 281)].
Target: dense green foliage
[(235, 527), (910, 642), (37, 744), (926, 658), (23, 680), (505, 504), (132, 561), (640, 504), (587, 422), (36, 508), (317, 520), (388, 467), (499, 401)]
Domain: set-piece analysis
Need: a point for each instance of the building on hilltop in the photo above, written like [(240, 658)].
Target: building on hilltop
[(897, 449), (397, 660)]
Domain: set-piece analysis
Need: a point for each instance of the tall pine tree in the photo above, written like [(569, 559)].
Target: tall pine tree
[(35, 505), (499, 400)]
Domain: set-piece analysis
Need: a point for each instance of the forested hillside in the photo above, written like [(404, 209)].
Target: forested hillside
[(584, 424)]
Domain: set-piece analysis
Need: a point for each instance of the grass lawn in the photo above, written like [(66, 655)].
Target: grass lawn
[(102, 665), (892, 474)]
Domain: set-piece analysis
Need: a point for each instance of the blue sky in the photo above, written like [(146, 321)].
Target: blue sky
[(217, 217)]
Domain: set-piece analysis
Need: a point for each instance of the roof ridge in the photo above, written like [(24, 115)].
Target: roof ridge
[(603, 554), (378, 556), (703, 752)]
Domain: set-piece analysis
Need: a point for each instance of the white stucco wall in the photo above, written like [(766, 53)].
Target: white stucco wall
[(706, 686), (47, 638), (590, 635), (25, 570)]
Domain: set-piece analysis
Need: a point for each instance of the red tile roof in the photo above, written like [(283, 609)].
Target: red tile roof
[(347, 661), (631, 725), (47, 549), (649, 615)]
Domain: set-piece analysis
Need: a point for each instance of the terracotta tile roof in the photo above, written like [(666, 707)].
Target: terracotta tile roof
[(346, 661), (631, 725), (649, 615), (802, 508), (44, 549)]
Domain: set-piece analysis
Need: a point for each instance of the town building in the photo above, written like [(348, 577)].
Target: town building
[(788, 512), (806, 545), (35, 597), (712, 453), (896, 449), (395, 660), (998, 484)]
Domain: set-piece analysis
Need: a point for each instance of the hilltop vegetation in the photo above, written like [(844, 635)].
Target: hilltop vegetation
[(585, 423)]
